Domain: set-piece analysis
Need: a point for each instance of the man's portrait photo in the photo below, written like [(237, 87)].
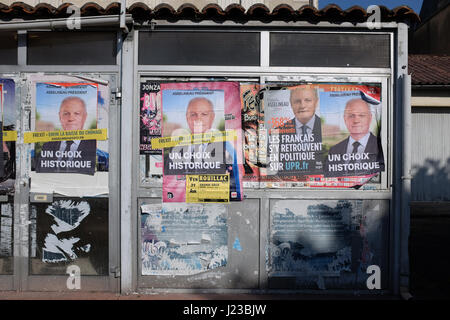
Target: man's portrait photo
[(68, 108)]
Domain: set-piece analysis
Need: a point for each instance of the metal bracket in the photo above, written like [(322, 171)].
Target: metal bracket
[(115, 271)]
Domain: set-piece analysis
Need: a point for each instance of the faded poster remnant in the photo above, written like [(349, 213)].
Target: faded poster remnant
[(183, 239), (6, 237), (327, 239), (6, 223), (72, 229)]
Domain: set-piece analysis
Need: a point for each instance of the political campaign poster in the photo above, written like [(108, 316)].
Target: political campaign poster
[(150, 116), (352, 119), (72, 108), (312, 130), (8, 136), (251, 116), (201, 135), (183, 239), (70, 230), (292, 116)]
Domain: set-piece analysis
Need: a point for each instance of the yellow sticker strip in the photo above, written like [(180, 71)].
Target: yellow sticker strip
[(46, 136), (9, 135), (198, 138), (208, 188)]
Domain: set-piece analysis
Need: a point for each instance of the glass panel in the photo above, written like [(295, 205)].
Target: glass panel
[(199, 48), (303, 132), (329, 50), (327, 244), (72, 48), (6, 236), (7, 173), (8, 48)]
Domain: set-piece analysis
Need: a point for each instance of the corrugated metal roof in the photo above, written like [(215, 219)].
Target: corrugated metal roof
[(234, 12), (428, 69)]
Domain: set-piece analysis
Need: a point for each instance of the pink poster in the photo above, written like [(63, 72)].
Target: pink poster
[(192, 109)]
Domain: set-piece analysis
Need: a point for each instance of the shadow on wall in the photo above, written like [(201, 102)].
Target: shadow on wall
[(429, 234), (431, 181)]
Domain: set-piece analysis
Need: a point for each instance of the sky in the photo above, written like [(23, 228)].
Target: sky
[(391, 4)]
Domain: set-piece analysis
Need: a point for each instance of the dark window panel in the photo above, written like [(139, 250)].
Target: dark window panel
[(8, 48), (329, 50), (199, 48), (63, 48)]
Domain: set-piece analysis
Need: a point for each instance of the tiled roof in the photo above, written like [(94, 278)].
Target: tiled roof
[(427, 69), (234, 12)]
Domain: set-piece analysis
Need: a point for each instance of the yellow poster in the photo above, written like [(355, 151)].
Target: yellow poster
[(207, 188), (62, 135)]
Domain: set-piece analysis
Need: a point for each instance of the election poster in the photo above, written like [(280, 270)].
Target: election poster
[(251, 116), (320, 241), (201, 136), (322, 135), (8, 136), (68, 107), (352, 115)]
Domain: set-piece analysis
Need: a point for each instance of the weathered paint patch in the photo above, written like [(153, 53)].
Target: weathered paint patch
[(237, 244)]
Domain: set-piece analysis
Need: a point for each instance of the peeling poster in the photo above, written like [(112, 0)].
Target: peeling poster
[(72, 230), (183, 239)]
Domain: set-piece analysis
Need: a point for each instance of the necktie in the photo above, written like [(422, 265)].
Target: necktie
[(356, 144), (68, 145), (304, 129)]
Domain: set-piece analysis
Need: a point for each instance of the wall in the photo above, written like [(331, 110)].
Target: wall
[(431, 154)]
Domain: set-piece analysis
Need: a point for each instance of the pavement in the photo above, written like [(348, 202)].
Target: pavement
[(38, 295)]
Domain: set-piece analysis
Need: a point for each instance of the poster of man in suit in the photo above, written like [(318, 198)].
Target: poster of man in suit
[(295, 131), (68, 107), (355, 149), (198, 111)]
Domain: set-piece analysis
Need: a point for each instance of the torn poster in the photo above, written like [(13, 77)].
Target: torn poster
[(251, 116), (183, 239), (69, 107), (73, 229)]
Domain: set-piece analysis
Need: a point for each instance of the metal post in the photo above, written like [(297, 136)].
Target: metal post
[(126, 152), (404, 159)]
